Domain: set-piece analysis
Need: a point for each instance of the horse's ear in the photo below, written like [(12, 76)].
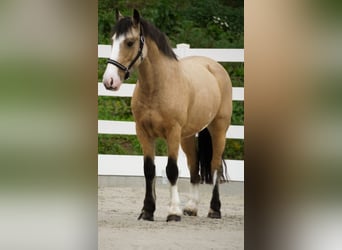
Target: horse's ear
[(118, 15), (136, 17)]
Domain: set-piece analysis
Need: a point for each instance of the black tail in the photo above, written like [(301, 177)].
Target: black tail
[(205, 155)]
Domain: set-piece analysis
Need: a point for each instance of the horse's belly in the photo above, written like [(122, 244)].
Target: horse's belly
[(197, 122), (203, 110)]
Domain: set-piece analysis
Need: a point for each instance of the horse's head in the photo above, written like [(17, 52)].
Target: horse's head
[(128, 50)]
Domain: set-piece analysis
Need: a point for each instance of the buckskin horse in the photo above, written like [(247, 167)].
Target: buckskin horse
[(174, 99)]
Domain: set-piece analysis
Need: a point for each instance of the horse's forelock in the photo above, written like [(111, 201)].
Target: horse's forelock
[(122, 26)]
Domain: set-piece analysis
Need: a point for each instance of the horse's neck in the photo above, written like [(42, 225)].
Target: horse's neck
[(156, 71)]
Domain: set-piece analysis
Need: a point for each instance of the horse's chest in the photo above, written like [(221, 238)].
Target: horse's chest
[(156, 115), (152, 123)]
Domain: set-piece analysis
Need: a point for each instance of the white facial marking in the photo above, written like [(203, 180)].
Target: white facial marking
[(116, 46), (111, 78)]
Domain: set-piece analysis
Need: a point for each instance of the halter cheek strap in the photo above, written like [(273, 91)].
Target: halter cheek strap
[(139, 54)]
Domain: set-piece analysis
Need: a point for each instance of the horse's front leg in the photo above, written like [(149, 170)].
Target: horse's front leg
[(147, 145), (173, 140)]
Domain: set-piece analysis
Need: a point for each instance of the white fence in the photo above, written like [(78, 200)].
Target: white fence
[(132, 165)]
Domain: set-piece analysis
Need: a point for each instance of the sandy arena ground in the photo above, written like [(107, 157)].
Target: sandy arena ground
[(120, 200)]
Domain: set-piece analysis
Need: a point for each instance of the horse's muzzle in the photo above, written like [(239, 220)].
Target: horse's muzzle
[(111, 84)]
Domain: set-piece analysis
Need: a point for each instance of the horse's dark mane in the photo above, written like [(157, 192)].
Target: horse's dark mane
[(124, 25)]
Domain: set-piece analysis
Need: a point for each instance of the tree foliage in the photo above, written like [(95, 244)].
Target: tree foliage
[(206, 24)]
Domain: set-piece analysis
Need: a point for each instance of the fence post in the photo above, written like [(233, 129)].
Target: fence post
[(183, 48)]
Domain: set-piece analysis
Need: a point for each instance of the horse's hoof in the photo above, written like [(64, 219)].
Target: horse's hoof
[(173, 217), (189, 212), (214, 214), (146, 216)]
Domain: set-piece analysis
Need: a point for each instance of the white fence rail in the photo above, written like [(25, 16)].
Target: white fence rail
[(129, 165)]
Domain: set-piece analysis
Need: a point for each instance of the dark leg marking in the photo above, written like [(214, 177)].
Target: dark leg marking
[(172, 171), (215, 203), (149, 202)]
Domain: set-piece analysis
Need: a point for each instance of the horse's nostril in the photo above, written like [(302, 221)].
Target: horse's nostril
[(111, 82)]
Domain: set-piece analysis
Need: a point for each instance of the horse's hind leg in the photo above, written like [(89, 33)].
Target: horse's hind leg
[(149, 172), (217, 131), (173, 140), (189, 148)]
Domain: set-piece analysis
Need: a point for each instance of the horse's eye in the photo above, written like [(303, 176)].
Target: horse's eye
[(130, 43)]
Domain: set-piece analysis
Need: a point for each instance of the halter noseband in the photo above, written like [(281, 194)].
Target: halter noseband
[(127, 69)]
